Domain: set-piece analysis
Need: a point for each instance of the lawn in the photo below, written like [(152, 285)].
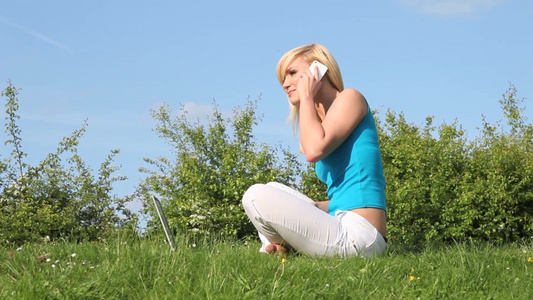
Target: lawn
[(148, 269)]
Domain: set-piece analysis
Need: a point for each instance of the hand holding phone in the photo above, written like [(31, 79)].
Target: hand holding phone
[(322, 69)]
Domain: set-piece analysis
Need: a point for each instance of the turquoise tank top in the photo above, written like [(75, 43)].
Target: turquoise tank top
[(353, 172)]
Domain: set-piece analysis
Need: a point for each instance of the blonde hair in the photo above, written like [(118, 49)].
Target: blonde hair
[(310, 53)]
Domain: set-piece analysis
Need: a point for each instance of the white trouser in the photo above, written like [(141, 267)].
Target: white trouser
[(283, 215)]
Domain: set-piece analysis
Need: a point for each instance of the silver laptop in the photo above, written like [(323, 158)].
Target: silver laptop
[(168, 233)]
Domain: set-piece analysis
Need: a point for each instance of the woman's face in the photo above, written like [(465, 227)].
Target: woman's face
[(293, 73)]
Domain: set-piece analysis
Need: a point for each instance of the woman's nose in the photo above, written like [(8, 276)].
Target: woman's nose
[(286, 83)]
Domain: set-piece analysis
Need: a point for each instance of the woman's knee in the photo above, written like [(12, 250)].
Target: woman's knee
[(254, 192)]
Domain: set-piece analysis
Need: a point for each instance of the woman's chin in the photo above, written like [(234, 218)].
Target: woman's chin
[(294, 101)]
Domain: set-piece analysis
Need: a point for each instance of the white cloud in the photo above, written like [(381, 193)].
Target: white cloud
[(35, 34), (63, 118), (204, 112), (197, 111), (452, 8)]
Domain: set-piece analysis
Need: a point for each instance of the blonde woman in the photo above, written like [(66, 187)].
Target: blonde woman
[(337, 132)]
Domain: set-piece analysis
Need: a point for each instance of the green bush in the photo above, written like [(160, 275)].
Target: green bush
[(213, 165), (58, 198), (442, 187)]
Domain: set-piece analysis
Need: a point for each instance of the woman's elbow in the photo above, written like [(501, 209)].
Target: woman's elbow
[(312, 157)]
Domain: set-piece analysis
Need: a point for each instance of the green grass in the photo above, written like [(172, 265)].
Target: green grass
[(149, 270)]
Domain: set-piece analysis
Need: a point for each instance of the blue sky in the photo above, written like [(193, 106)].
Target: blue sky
[(112, 61)]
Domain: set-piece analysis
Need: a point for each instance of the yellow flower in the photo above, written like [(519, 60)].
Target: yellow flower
[(530, 259), (411, 278), (283, 260)]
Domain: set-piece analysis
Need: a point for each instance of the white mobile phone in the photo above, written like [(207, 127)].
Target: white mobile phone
[(322, 69)]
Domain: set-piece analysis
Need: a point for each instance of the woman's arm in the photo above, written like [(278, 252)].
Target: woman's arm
[(323, 205), (319, 139)]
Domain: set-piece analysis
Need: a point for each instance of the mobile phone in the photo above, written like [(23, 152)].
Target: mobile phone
[(322, 69)]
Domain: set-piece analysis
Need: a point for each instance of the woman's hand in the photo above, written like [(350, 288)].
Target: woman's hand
[(308, 85), (322, 205)]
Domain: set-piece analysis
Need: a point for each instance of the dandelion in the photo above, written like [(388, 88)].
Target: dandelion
[(530, 259), (411, 278), (283, 260)]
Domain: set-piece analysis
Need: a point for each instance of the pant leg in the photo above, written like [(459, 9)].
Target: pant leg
[(362, 234), (291, 191), (288, 217), (264, 240)]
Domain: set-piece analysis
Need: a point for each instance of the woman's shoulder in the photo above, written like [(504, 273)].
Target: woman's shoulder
[(353, 97), (351, 92)]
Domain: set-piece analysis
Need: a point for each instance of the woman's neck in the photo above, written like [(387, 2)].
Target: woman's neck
[(324, 99)]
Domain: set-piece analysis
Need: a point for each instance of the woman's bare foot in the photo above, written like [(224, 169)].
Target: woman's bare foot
[(276, 248)]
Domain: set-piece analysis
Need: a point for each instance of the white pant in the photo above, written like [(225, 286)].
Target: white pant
[(283, 215)]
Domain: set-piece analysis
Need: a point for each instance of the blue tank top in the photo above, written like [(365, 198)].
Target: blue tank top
[(353, 172)]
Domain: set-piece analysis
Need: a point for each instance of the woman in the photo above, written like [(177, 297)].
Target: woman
[(337, 132)]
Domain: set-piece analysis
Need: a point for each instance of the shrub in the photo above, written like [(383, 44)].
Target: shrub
[(213, 165), (442, 187), (58, 198)]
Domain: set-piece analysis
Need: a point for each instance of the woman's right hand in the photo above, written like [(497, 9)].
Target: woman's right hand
[(308, 85), (322, 205)]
